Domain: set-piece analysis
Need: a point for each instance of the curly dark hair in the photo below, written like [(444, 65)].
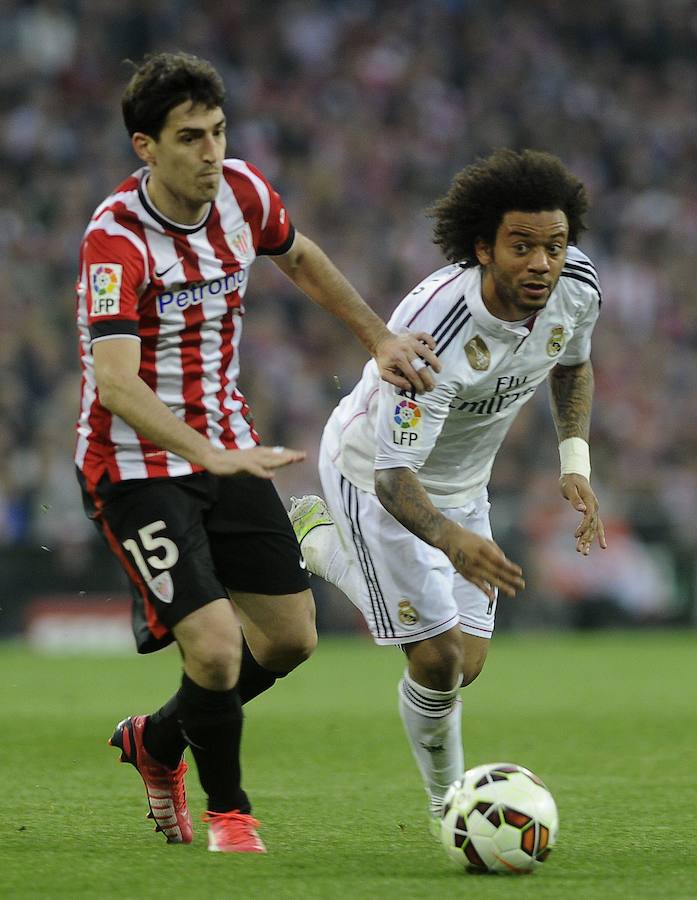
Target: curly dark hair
[(163, 81), (482, 193)]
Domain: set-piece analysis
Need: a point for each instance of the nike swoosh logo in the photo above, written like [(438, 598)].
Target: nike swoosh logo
[(160, 274)]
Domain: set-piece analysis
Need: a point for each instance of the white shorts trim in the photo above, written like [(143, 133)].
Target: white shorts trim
[(409, 591)]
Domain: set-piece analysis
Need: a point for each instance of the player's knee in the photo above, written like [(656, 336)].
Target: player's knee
[(214, 664), (471, 667), (303, 648), (442, 674), (290, 650), (436, 664)]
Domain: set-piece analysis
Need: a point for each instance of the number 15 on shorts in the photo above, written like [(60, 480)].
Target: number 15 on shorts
[(151, 541)]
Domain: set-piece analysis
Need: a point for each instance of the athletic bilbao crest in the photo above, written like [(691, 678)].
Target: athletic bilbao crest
[(478, 354), (555, 341), (162, 587), (241, 244)]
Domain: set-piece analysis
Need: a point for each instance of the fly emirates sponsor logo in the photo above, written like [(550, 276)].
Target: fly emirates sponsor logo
[(183, 298), (509, 389)]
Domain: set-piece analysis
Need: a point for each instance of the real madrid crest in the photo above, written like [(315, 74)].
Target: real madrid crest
[(407, 614), (478, 354), (555, 341)]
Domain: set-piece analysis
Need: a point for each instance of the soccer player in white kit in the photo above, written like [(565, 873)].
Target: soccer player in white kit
[(405, 477)]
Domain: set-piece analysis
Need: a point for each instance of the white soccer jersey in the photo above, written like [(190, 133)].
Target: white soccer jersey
[(178, 290), (491, 368)]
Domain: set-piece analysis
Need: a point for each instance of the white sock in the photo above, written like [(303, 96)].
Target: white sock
[(324, 554), (433, 724)]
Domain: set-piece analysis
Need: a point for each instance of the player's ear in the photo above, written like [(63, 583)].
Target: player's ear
[(483, 251), (144, 146)]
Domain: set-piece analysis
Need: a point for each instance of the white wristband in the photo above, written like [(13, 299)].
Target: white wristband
[(575, 457)]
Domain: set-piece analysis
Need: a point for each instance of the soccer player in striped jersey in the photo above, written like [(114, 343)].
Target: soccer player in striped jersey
[(163, 427), (405, 477)]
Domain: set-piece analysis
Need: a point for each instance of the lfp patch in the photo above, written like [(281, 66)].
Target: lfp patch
[(105, 285), (407, 415)]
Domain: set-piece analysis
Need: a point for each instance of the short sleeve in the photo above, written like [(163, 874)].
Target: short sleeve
[(578, 348), (112, 272), (277, 231), (408, 426)]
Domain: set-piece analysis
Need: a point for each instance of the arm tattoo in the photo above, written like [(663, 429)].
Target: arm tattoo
[(571, 398), (402, 495)]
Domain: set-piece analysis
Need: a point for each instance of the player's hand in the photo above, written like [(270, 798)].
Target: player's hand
[(482, 562), (577, 490), (403, 360), (259, 461)]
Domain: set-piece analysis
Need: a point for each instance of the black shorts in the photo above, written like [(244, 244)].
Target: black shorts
[(184, 541)]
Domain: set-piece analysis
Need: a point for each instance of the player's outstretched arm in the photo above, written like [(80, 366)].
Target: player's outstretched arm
[(478, 559), (123, 392), (317, 276), (571, 400)]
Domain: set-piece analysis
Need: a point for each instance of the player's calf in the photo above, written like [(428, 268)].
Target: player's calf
[(432, 724)]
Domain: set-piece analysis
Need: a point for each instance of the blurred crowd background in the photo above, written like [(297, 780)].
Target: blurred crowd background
[(360, 112)]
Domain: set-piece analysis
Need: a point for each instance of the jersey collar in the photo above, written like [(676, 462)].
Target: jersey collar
[(167, 224)]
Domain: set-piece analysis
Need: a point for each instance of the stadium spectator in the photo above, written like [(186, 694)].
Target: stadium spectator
[(364, 107)]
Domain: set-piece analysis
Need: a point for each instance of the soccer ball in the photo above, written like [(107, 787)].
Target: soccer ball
[(499, 817)]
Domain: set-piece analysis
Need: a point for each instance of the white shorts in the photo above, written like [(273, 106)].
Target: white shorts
[(409, 591)]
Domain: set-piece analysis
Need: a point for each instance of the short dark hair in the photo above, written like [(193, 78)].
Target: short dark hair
[(482, 193), (163, 81)]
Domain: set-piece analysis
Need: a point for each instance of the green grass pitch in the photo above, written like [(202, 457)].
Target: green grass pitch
[(609, 721)]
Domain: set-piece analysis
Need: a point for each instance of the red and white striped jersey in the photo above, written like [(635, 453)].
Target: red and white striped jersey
[(178, 290)]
